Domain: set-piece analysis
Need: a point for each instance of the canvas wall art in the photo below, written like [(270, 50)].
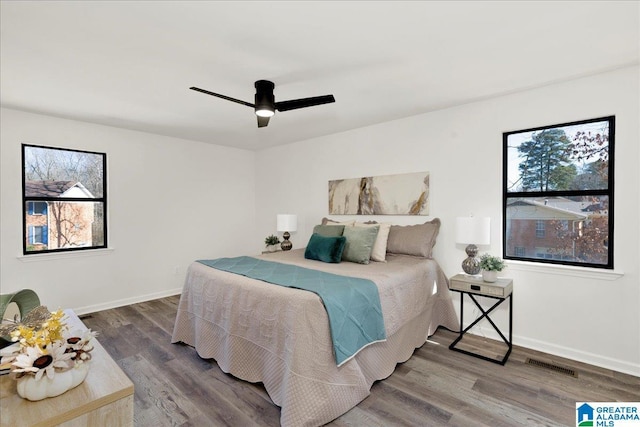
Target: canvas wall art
[(402, 194)]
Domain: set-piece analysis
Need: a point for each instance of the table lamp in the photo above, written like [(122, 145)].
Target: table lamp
[(287, 223), (472, 231)]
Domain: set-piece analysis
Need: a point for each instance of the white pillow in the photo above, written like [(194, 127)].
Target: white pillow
[(379, 252)]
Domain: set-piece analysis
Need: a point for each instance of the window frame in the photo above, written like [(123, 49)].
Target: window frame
[(46, 199), (608, 192)]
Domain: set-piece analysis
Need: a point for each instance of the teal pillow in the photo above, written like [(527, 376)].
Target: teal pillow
[(325, 249), (359, 244), (329, 230)]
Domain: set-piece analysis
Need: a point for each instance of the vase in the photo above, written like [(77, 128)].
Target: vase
[(272, 248), (489, 275), (31, 389)]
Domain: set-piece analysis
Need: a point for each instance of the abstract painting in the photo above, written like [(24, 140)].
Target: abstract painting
[(402, 194)]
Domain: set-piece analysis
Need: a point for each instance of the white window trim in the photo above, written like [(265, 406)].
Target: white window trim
[(565, 270), (64, 255), (33, 235)]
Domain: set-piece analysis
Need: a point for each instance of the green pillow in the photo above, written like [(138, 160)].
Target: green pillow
[(329, 230), (325, 249), (360, 242)]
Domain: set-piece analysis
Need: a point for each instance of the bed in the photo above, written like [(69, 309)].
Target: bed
[(261, 332)]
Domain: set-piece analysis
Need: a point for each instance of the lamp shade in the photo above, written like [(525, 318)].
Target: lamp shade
[(472, 230), (287, 222)]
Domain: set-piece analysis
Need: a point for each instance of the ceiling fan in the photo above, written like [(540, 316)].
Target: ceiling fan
[(265, 105)]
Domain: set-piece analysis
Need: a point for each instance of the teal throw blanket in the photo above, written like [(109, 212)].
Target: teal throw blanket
[(352, 304)]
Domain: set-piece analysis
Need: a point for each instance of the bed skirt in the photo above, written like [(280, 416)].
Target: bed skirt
[(307, 399)]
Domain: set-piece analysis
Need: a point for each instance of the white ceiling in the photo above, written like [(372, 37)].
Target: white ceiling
[(130, 64)]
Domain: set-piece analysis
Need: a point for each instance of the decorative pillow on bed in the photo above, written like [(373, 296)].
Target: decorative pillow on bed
[(359, 244), (329, 230), (379, 252), (416, 240), (325, 249), (327, 221)]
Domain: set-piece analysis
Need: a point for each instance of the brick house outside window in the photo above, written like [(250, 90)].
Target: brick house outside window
[(53, 225)]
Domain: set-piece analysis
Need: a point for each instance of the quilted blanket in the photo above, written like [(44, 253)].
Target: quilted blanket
[(352, 303), (280, 336)]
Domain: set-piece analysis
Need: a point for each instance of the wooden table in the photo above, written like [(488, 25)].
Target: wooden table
[(104, 398)]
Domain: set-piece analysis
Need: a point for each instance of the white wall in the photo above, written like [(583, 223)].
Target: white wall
[(170, 202), (594, 318)]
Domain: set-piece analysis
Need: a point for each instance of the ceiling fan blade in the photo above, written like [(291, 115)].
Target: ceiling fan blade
[(228, 98), (304, 102), (263, 121)]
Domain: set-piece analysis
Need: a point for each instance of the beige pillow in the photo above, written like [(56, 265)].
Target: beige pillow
[(416, 240), (327, 221), (379, 252)]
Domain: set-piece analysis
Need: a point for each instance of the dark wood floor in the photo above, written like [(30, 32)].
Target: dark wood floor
[(437, 386)]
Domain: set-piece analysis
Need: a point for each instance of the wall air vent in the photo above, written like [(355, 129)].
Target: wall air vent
[(552, 367)]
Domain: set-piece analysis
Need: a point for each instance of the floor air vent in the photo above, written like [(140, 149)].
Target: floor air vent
[(552, 367)]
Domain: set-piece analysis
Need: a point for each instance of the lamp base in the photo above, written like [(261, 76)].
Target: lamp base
[(286, 245), (471, 265)]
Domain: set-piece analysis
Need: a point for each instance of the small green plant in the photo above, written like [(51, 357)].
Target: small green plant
[(491, 263), (271, 240)]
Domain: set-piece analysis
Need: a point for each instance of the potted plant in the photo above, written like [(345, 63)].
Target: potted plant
[(490, 266), (271, 243)]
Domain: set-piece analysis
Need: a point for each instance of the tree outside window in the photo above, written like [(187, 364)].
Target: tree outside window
[(64, 200), (558, 193)]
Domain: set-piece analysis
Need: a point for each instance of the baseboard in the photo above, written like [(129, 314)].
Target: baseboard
[(580, 356), (566, 352), (126, 301)]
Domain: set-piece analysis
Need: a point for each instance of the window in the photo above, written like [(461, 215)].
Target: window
[(558, 193), (64, 199), (38, 234), (37, 208)]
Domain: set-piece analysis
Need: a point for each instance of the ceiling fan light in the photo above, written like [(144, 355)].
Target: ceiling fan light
[(264, 112)]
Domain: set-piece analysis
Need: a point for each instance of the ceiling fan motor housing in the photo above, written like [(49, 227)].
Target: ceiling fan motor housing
[(264, 99)]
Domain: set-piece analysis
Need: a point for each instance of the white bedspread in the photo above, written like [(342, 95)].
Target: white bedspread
[(280, 336)]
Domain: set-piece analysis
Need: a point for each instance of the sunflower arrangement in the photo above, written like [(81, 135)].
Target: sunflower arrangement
[(44, 348)]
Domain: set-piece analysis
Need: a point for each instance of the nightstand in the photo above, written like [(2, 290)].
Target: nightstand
[(474, 287)]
